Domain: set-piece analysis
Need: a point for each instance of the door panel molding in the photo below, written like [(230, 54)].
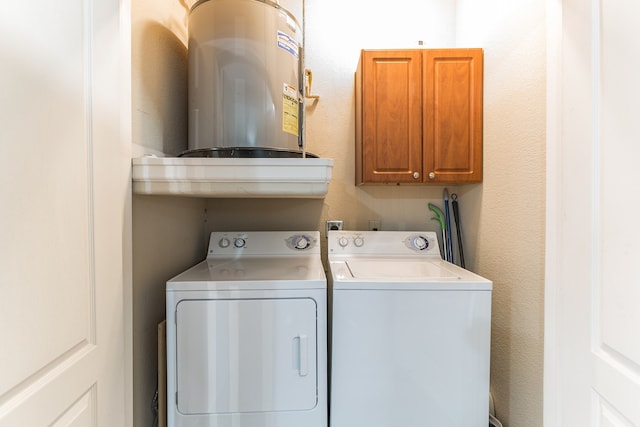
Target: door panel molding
[(592, 346), (81, 413), (66, 174)]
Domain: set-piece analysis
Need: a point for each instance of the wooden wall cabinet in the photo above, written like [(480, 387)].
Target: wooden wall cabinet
[(419, 116)]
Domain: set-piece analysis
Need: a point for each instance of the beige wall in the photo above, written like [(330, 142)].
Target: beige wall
[(503, 218), (336, 31), (508, 210), (168, 233), (168, 236), (159, 75)]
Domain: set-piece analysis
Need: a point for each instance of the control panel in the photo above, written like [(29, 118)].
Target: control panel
[(419, 243), (270, 243)]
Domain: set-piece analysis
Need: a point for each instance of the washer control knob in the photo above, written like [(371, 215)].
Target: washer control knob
[(302, 242), (224, 242), (343, 241), (358, 241), (420, 243), (239, 242)]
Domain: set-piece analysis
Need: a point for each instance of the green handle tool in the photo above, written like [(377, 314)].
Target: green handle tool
[(443, 226)]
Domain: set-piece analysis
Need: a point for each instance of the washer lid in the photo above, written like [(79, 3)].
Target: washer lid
[(251, 273), (396, 274), (399, 270)]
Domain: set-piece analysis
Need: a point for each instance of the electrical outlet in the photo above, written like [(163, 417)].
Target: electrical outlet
[(374, 225), (333, 224)]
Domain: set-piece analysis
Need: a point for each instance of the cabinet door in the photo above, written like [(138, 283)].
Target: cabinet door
[(389, 117), (453, 115)]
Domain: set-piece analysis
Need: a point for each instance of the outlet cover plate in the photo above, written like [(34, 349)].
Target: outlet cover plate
[(333, 224)]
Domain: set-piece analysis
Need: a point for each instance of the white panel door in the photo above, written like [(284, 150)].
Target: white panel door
[(64, 168), (592, 362)]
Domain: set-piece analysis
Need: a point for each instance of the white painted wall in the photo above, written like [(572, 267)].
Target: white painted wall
[(503, 218)]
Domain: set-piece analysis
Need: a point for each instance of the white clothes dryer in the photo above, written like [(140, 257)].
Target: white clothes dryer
[(247, 335), (410, 333)]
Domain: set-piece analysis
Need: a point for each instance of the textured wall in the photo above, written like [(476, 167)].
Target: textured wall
[(508, 210), (168, 233), (333, 57), (159, 75), (168, 237)]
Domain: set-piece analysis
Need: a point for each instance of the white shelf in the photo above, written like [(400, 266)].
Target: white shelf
[(232, 177)]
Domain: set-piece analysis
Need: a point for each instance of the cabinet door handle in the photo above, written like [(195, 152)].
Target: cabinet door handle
[(432, 175), (416, 175)]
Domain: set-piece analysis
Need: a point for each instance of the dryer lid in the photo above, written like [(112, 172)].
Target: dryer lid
[(252, 273)]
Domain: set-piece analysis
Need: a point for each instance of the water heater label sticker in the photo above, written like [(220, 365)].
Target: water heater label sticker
[(287, 43), (289, 109)]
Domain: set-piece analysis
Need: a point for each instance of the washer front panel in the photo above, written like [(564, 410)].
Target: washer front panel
[(410, 358)]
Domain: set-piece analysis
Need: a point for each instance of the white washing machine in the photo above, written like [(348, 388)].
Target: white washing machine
[(410, 334), (247, 334)]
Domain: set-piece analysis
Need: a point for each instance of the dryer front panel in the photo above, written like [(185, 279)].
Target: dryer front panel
[(246, 355)]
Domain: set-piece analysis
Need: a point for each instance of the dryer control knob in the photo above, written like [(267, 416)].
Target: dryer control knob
[(358, 241), (224, 242), (343, 241), (302, 242), (239, 243), (420, 243)]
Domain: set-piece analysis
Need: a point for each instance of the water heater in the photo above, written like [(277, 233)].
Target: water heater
[(246, 80)]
